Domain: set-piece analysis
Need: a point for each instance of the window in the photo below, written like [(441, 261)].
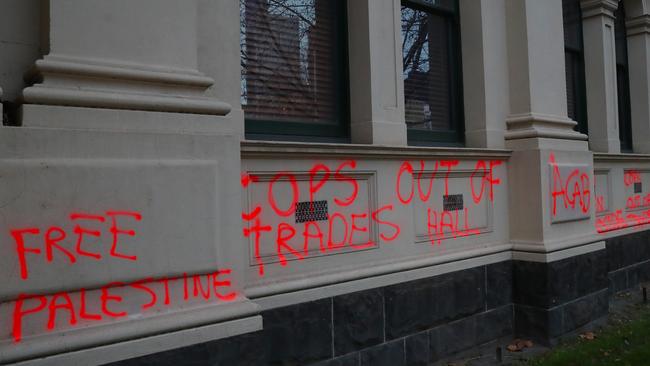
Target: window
[(432, 83), (623, 81), (294, 75), (574, 64)]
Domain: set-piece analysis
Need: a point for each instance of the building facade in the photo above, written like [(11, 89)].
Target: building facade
[(298, 182)]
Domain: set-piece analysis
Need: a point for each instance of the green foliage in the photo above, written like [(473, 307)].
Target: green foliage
[(626, 343)]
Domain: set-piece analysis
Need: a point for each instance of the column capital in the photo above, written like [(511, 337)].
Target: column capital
[(638, 25), (592, 8)]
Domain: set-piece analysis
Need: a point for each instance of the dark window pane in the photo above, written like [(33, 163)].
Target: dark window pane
[(623, 81), (426, 70), (432, 82), (570, 64), (574, 64), (572, 24), (621, 36), (449, 5), (291, 64), (624, 112)]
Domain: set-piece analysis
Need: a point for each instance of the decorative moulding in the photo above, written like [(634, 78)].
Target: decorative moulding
[(71, 81), (91, 67), (638, 25), (536, 125), (592, 8)]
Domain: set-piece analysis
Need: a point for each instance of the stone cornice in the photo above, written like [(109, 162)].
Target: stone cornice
[(593, 8)]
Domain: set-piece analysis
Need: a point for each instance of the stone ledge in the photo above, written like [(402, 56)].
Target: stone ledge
[(151, 345), (272, 149)]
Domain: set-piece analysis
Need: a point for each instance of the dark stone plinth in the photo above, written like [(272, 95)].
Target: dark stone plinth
[(298, 334), (358, 321), (545, 285), (547, 325), (418, 305), (387, 354)]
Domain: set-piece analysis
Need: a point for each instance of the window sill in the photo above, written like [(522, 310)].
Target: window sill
[(621, 157), (273, 149)]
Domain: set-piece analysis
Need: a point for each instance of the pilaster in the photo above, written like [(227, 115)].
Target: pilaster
[(120, 120), (376, 86), (219, 39), (600, 73), (539, 131), (551, 170), (538, 106), (485, 72)]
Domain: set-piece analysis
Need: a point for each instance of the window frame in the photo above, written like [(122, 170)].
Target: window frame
[(456, 135), (580, 82), (339, 131), (623, 96)]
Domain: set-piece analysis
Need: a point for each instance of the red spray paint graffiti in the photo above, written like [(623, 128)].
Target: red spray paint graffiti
[(73, 306), (54, 235), (573, 190), (215, 286), (630, 177), (100, 236), (350, 228)]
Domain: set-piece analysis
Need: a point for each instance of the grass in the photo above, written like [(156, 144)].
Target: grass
[(624, 341)]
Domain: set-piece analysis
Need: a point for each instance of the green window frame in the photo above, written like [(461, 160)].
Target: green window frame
[(335, 130), (455, 134)]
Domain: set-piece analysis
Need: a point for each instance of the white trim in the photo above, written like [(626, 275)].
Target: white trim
[(251, 149), (150, 345), (557, 255), (64, 96), (60, 64), (312, 294), (267, 289), (45, 344)]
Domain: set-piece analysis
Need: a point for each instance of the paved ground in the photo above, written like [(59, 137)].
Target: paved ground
[(620, 306)]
